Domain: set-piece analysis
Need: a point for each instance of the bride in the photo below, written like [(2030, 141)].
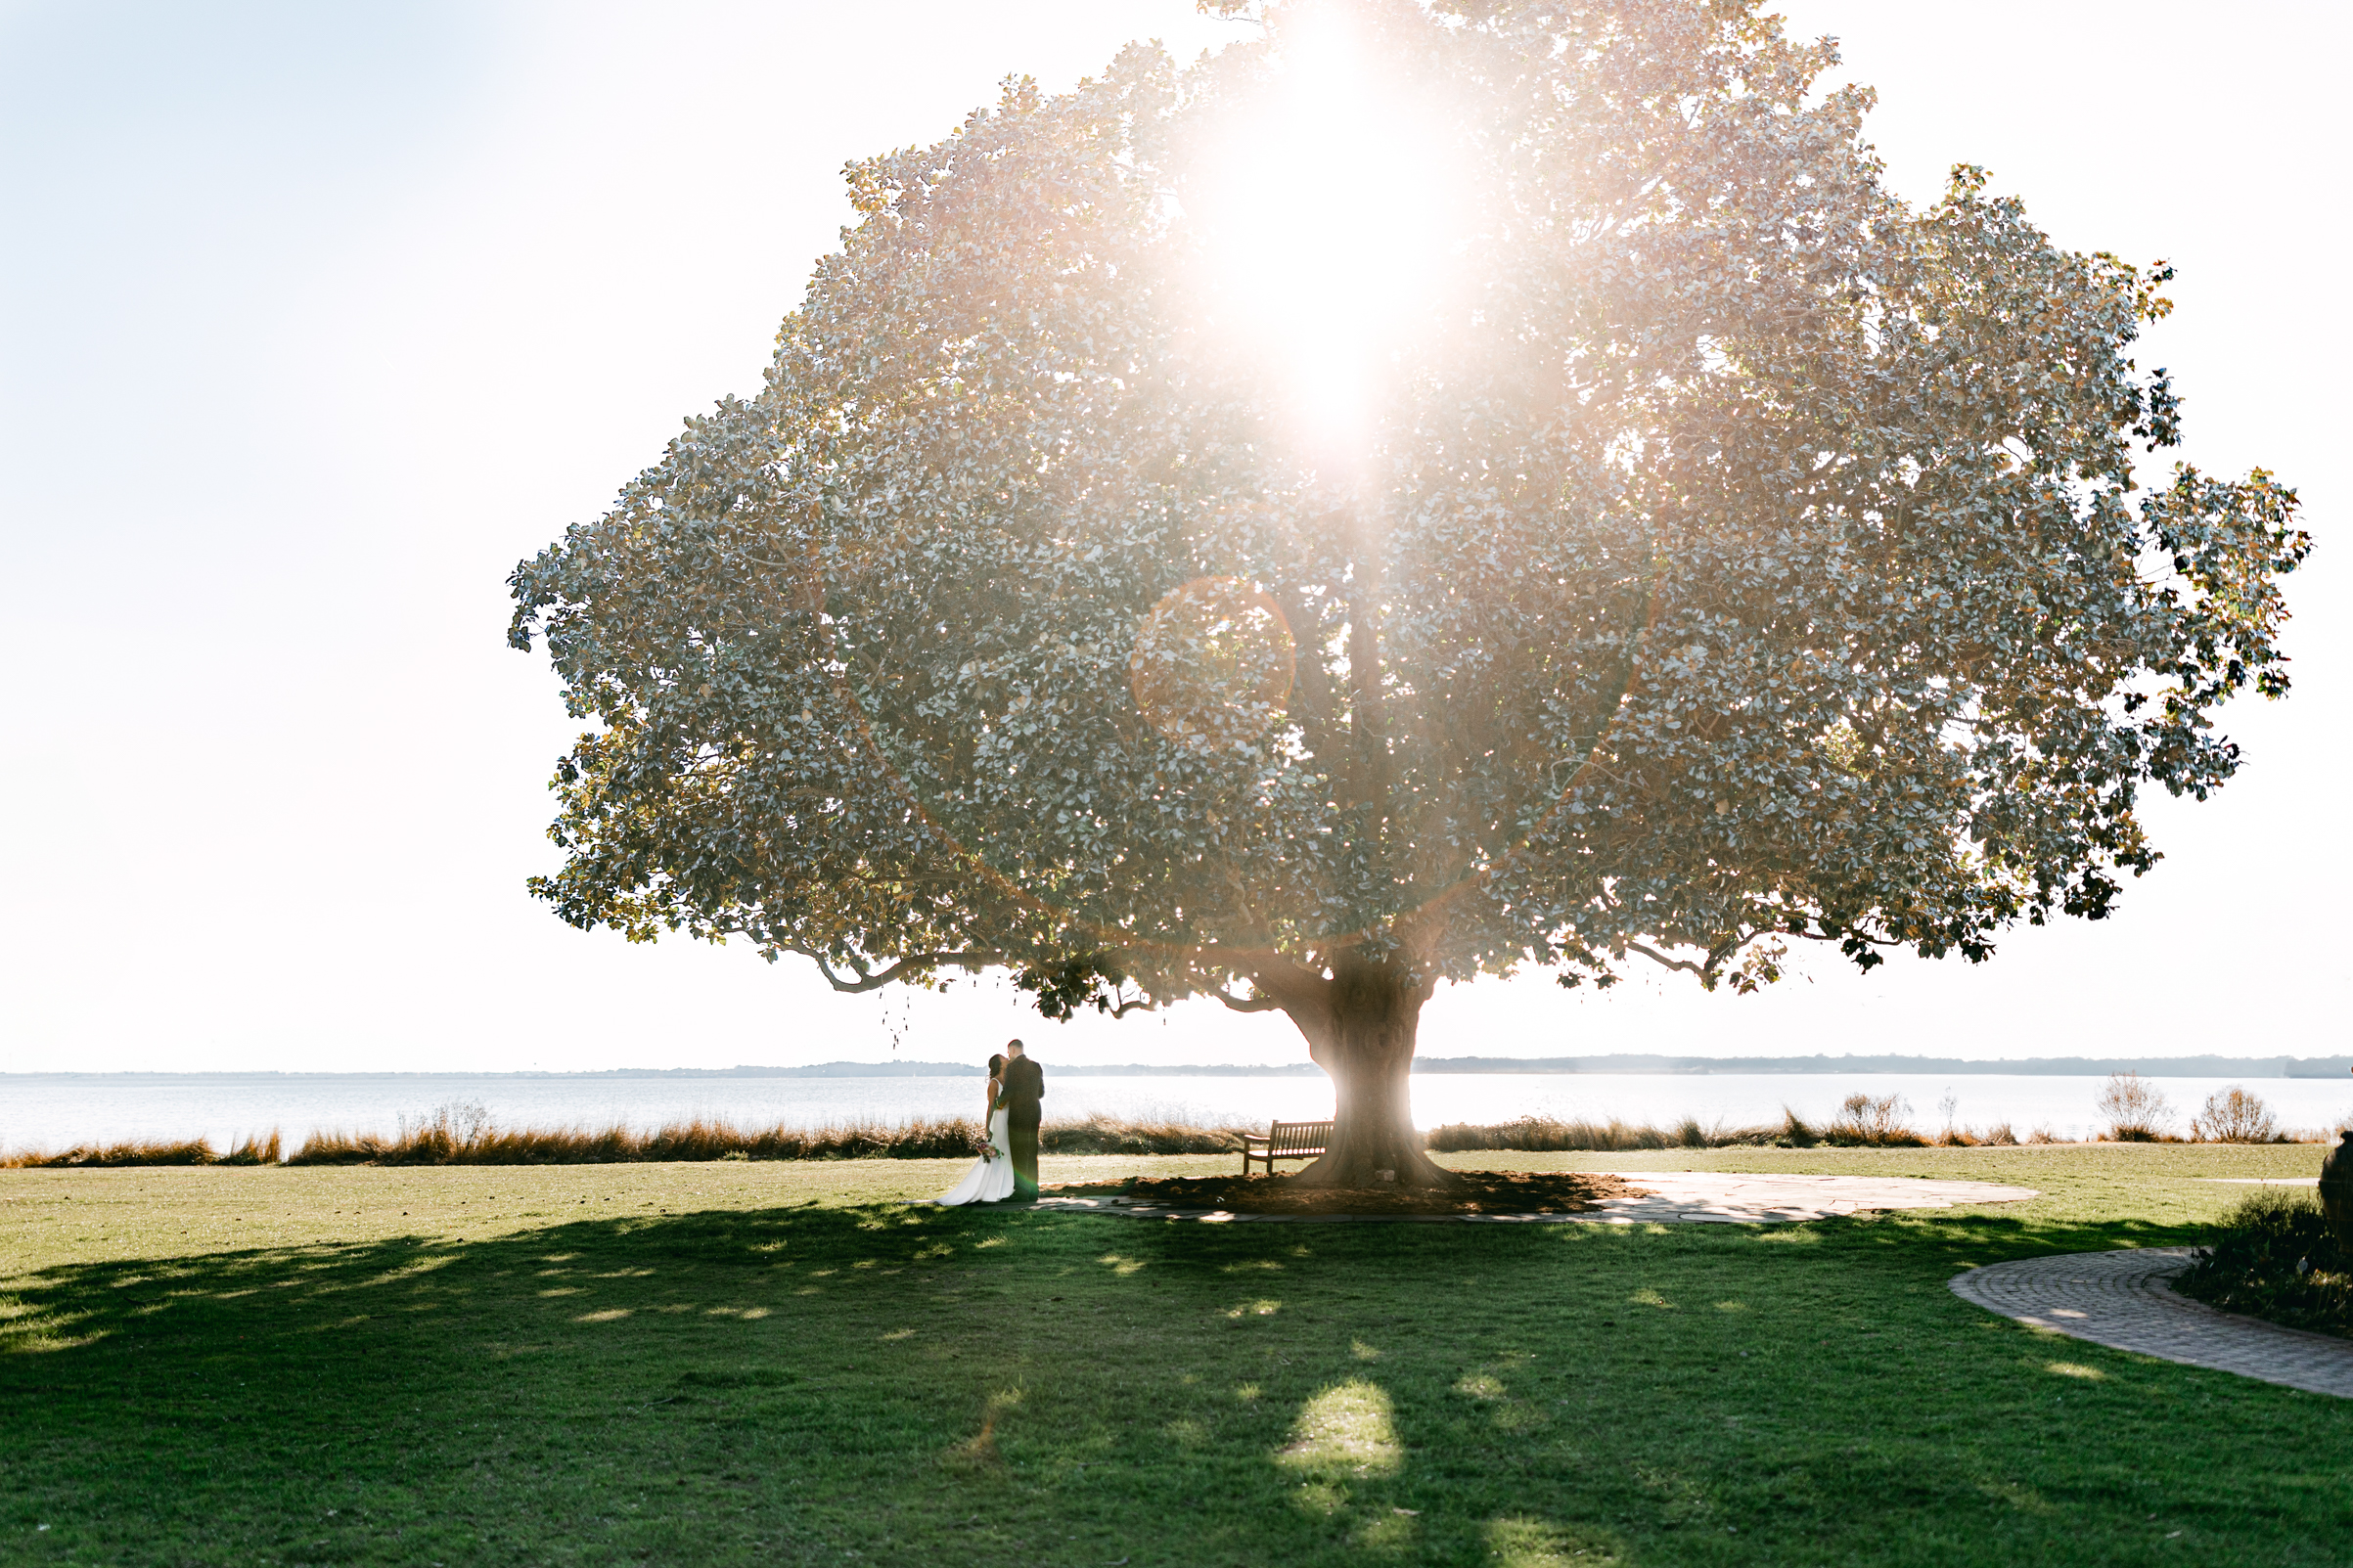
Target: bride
[(991, 1179)]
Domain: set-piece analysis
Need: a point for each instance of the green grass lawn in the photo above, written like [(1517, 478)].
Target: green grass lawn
[(756, 1363)]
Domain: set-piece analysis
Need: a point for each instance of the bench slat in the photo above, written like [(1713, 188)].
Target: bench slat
[(1285, 1141)]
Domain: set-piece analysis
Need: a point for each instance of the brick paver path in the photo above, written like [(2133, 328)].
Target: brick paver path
[(1722, 1198), (2121, 1299)]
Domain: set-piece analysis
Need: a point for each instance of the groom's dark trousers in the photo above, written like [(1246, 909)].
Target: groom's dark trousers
[(1024, 1087)]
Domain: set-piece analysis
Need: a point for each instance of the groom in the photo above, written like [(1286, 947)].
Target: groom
[(1024, 1087)]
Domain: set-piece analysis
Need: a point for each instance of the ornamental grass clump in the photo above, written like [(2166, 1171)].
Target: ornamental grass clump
[(2273, 1257)]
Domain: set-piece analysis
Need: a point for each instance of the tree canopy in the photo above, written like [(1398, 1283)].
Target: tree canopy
[(1704, 551)]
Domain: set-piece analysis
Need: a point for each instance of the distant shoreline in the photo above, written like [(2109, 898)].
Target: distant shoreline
[(2208, 1066)]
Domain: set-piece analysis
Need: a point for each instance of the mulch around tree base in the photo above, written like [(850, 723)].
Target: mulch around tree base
[(1480, 1192)]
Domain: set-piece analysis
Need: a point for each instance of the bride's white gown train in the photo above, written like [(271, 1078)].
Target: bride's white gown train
[(989, 1180)]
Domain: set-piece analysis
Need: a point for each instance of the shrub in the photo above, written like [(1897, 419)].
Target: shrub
[(2135, 1110), (2234, 1116), (2272, 1257)]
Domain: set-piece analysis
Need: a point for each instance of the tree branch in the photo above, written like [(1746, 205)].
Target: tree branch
[(1253, 1005), (867, 980), (1656, 957), (1844, 936)]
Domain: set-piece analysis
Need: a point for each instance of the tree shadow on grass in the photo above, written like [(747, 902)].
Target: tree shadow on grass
[(1013, 1386), (1697, 1393), (614, 1387)]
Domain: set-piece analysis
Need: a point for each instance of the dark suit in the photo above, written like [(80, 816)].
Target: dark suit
[(1024, 1087)]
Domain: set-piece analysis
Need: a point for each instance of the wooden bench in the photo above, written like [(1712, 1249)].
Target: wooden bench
[(1285, 1141)]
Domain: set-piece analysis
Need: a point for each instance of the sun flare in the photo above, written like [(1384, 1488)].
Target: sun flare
[(1333, 210)]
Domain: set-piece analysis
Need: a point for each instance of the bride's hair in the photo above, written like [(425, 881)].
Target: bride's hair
[(996, 1066)]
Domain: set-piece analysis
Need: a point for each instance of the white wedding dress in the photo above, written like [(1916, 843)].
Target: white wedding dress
[(989, 1181)]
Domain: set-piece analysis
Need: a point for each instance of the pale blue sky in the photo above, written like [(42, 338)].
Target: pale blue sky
[(314, 318)]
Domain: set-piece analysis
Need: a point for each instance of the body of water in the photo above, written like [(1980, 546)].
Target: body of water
[(57, 1110)]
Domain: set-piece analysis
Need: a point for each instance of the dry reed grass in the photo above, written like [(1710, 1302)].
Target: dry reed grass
[(152, 1151), (1863, 1121), (1542, 1134), (1876, 1121), (1998, 1136), (464, 1135)]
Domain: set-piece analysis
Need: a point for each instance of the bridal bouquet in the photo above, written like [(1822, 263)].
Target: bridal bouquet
[(988, 1150)]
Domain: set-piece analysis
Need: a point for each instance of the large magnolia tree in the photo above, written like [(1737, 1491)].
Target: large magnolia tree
[(1429, 490)]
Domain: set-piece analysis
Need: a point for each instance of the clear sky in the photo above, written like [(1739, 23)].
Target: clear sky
[(314, 319)]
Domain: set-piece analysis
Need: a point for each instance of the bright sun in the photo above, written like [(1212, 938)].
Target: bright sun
[(1333, 211)]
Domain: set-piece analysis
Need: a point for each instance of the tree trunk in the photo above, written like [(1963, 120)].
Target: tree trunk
[(1360, 1026)]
